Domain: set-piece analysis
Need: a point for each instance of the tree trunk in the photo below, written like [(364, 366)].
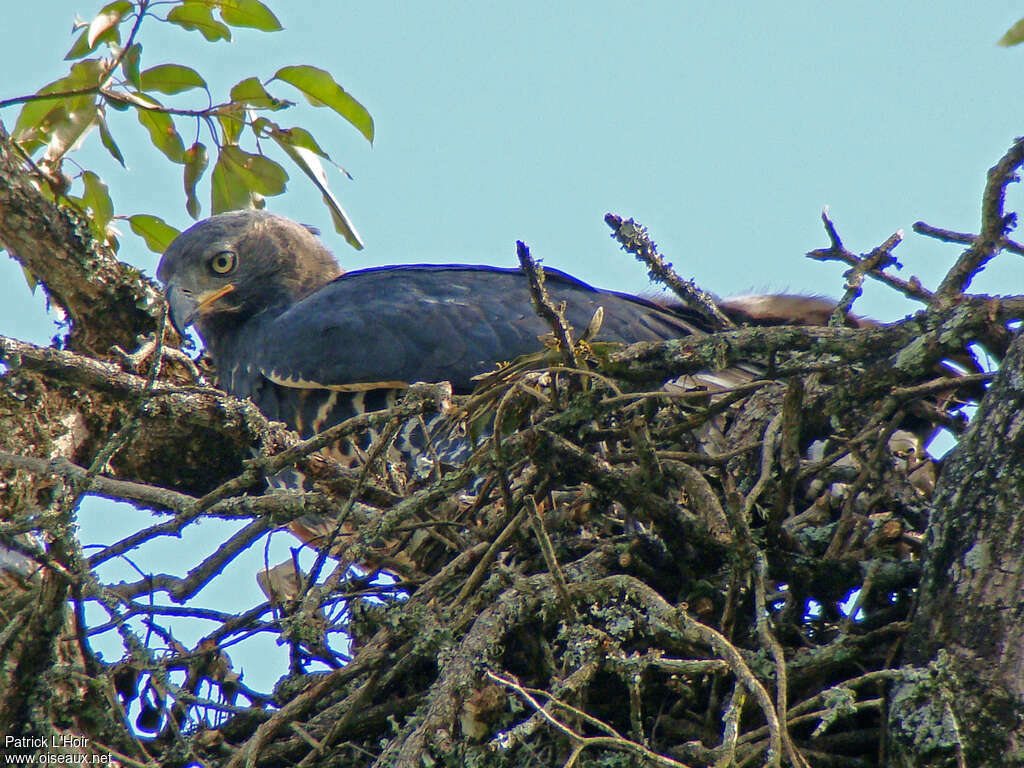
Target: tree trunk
[(966, 708)]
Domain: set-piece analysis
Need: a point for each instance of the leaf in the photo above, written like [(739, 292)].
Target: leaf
[(38, 123), (300, 137), (34, 114), (38, 117), (297, 137), (108, 18), (68, 133), (97, 199), (107, 138), (320, 89), (157, 233), (1014, 35), (228, 191), (85, 74), (251, 91), (163, 133), (171, 79), (248, 13), (196, 162), (231, 123), (311, 166), (199, 17), (130, 65), (82, 47), (261, 174)]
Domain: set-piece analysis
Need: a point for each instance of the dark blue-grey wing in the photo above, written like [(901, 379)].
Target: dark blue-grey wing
[(392, 325)]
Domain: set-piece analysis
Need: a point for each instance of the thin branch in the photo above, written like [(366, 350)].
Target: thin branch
[(601, 742), (551, 559), (420, 399), (836, 251), (995, 224), (634, 238), (963, 238), (554, 316), (181, 589), (878, 260)]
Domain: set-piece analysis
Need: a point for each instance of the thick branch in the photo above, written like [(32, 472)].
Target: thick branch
[(107, 301)]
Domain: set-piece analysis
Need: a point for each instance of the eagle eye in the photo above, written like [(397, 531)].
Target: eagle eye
[(223, 263)]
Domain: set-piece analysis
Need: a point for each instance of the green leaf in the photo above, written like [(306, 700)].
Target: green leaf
[(97, 199), (320, 89), (108, 140), (84, 74), (228, 191), (248, 13), (130, 65), (163, 133), (261, 174), (157, 233), (68, 133), (251, 91), (38, 117), (297, 137), (199, 17), (311, 166), (79, 48), (82, 47), (1014, 35), (34, 123), (33, 114), (171, 79), (108, 18), (196, 162), (300, 137), (232, 121)]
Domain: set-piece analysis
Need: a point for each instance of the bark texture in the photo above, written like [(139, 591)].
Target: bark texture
[(970, 615)]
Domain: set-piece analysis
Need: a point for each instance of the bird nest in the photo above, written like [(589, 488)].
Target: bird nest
[(639, 560), (620, 572)]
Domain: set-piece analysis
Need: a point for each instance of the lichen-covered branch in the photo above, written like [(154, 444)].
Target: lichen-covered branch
[(106, 301)]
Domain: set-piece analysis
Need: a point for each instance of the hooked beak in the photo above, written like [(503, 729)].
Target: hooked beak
[(185, 307)]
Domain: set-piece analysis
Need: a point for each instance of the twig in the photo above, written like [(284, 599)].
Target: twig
[(554, 316), (581, 742), (963, 238), (634, 238), (550, 559), (475, 579), (995, 224), (726, 650), (181, 589), (726, 751), (880, 258), (123, 436), (420, 400), (837, 252), (769, 641)]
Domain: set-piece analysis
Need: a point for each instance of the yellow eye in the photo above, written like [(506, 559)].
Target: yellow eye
[(223, 263)]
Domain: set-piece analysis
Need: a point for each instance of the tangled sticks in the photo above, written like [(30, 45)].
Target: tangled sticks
[(619, 573)]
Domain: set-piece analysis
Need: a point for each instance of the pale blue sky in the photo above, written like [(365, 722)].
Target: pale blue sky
[(723, 127)]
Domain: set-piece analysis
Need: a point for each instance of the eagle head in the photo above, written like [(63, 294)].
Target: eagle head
[(229, 268)]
